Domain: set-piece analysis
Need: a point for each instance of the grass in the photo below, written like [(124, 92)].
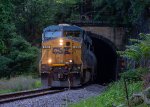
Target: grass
[(143, 105), (114, 95), (18, 84)]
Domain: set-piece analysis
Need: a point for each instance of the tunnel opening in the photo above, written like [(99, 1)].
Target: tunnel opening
[(106, 55)]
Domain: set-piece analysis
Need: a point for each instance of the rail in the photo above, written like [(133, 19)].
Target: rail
[(5, 98)]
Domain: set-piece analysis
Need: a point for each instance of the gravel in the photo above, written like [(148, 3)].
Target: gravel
[(59, 99)]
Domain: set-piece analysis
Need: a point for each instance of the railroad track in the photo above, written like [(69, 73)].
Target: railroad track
[(5, 98)]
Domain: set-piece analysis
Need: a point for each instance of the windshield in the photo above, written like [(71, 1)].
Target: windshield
[(52, 34)]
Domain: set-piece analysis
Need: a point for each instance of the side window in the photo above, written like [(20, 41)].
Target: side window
[(42, 36), (72, 34), (88, 41)]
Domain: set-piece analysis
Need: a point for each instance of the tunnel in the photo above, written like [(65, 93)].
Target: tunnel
[(105, 53)]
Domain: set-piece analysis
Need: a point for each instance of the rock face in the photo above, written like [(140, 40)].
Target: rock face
[(115, 35), (136, 99), (146, 95), (143, 97), (146, 79)]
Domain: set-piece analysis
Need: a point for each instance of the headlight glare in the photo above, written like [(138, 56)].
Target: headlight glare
[(50, 61), (70, 61)]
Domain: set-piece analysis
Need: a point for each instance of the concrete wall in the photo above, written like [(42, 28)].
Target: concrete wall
[(115, 35)]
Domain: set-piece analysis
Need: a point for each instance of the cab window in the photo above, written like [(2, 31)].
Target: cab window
[(51, 34), (72, 34)]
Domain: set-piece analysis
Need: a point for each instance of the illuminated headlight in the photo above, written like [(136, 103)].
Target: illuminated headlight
[(61, 41), (70, 61), (50, 61)]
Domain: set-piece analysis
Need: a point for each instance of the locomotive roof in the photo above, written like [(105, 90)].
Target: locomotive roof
[(64, 27)]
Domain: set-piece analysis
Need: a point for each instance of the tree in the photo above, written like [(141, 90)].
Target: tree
[(7, 27), (16, 54), (139, 51), (31, 16)]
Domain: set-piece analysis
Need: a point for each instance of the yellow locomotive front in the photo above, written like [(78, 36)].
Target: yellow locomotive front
[(61, 62)]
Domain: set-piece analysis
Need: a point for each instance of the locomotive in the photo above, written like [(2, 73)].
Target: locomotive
[(67, 56)]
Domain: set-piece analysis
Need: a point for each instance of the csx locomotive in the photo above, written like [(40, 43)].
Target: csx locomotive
[(67, 58)]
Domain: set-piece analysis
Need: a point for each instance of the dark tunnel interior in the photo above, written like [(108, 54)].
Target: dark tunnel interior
[(106, 61)]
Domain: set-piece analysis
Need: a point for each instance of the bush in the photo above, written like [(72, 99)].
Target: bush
[(134, 74), (21, 59), (19, 84), (4, 63)]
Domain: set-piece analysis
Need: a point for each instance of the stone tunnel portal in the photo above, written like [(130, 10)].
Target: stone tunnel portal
[(106, 60)]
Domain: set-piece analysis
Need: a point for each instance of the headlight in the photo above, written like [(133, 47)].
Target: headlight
[(50, 61), (60, 43), (61, 40), (70, 61)]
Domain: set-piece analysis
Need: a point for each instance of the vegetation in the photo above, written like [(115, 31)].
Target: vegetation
[(21, 83), (129, 12), (16, 54), (22, 23), (135, 74), (139, 51), (139, 54), (113, 96), (21, 26)]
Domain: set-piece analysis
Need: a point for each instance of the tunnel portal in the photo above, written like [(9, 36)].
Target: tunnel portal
[(105, 52)]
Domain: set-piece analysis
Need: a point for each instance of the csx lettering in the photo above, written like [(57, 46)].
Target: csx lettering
[(59, 50)]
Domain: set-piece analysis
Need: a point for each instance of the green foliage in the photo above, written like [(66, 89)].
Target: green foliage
[(139, 50), (37, 84), (138, 7), (2, 47), (21, 58), (38, 14), (4, 69), (7, 27), (29, 22), (134, 74), (16, 54), (126, 11)]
